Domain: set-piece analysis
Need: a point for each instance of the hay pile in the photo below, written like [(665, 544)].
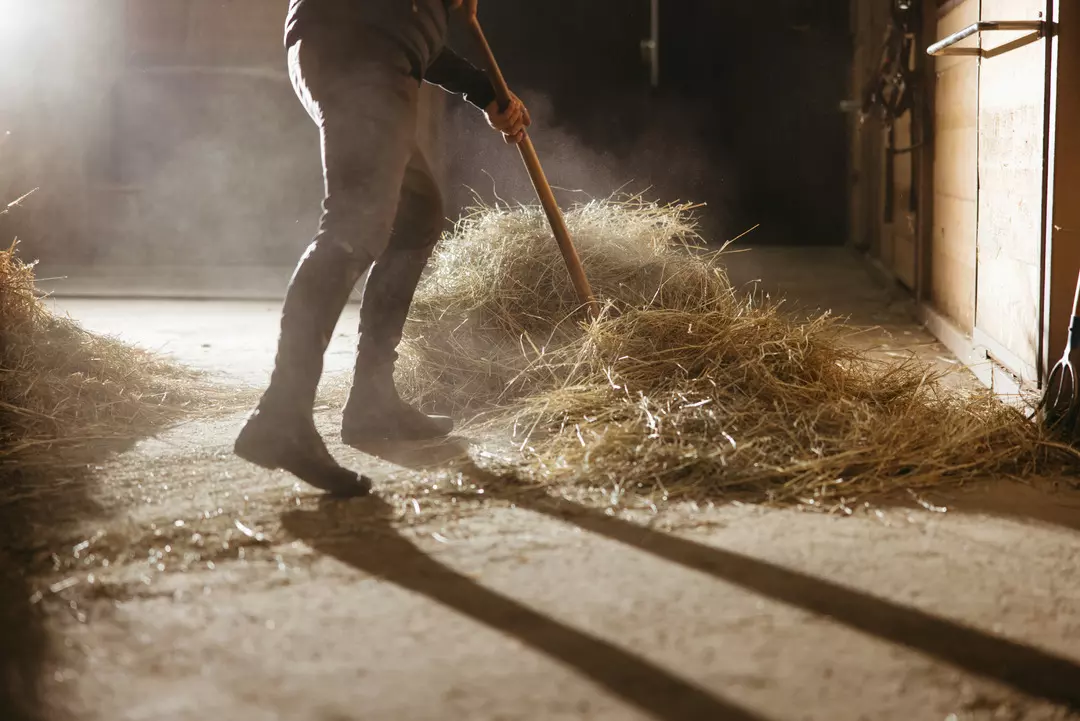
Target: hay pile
[(63, 390), (684, 388)]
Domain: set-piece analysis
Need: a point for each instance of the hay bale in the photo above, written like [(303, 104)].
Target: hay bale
[(683, 388), (63, 389)]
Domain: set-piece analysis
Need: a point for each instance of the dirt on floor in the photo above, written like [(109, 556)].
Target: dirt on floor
[(173, 581)]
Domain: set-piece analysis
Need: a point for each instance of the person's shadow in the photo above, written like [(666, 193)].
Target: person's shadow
[(361, 534), (368, 541), (38, 503)]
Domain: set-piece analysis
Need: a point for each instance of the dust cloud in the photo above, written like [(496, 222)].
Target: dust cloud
[(226, 166), (662, 159)]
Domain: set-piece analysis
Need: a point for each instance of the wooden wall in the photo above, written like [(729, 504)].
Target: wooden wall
[(1000, 256), (899, 237), (891, 232), (1063, 247), (956, 141), (1012, 167)]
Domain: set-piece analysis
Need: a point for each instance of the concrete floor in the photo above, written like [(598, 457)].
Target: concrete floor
[(207, 589)]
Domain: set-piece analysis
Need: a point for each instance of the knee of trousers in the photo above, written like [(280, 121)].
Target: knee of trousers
[(331, 255), (355, 228)]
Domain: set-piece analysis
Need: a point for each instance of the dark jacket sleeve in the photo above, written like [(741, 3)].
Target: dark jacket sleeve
[(456, 75)]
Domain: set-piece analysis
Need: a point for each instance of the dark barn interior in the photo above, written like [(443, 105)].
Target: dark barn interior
[(746, 118)]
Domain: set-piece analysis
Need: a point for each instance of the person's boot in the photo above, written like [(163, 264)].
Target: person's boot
[(281, 433), (375, 412), (289, 442)]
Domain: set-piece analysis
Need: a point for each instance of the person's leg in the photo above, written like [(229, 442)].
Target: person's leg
[(374, 410), (366, 113)]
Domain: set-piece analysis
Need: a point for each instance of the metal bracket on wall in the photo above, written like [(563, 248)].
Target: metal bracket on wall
[(1039, 28)]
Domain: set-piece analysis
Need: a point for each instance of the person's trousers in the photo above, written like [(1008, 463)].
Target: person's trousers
[(382, 210)]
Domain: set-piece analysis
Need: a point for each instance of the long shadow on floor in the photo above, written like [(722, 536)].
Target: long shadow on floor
[(1037, 673), (37, 505), (362, 535), (23, 644), (1053, 503)]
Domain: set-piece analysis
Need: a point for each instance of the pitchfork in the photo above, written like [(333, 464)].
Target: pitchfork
[(1061, 400), (536, 172)]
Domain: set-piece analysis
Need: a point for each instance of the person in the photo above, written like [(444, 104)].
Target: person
[(357, 67)]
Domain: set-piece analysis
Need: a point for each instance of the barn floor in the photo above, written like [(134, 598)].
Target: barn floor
[(233, 593)]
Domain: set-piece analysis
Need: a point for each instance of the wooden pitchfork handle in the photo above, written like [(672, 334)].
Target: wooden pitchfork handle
[(539, 180)]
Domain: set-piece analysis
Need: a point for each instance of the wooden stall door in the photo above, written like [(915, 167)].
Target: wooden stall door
[(1013, 105), (956, 181)]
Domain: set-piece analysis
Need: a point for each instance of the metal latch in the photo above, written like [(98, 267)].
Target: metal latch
[(1039, 28)]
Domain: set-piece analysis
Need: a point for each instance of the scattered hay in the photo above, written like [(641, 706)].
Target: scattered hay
[(497, 301), (683, 388), (63, 389)]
